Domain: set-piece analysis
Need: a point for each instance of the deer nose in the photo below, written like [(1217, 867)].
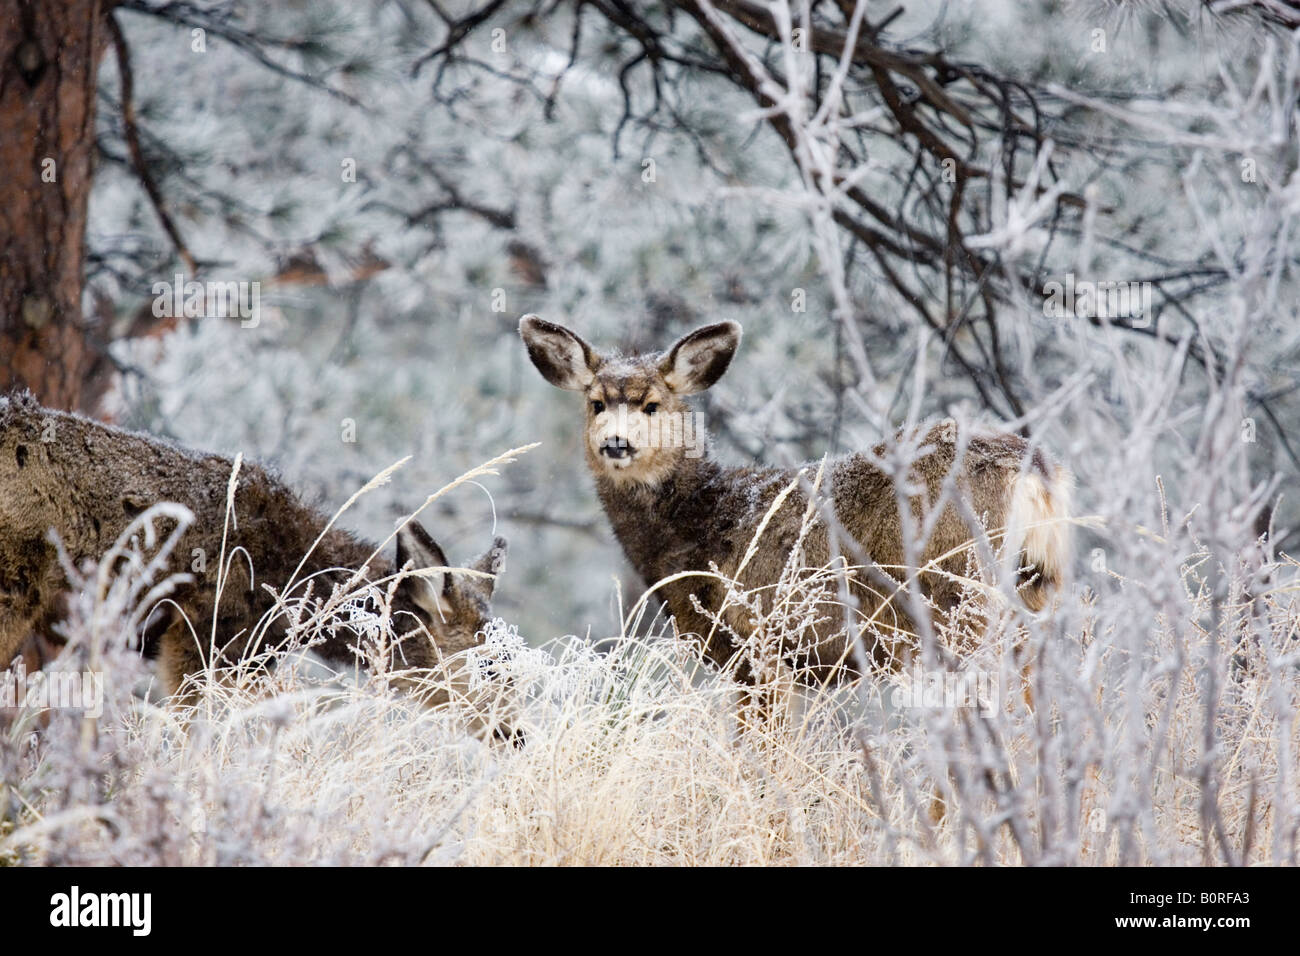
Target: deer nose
[(616, 448)]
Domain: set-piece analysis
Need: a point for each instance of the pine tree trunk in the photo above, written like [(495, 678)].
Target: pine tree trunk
[(49, 58)]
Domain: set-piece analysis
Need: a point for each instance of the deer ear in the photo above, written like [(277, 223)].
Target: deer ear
[(431, 590), (698, 360), (493, 562), (561, 356)]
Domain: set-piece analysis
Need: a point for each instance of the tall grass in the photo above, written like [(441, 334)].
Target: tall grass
[(1169, 745)]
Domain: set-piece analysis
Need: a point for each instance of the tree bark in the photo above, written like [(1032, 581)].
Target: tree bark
[(49, 59)]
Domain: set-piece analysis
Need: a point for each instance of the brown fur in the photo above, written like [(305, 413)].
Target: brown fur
[(86, 481), (674, 513)]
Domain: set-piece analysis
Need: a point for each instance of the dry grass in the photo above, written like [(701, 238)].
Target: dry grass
[(1162, 730), (634, 755)]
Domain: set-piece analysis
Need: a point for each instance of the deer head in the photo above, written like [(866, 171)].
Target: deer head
[(639, 426)]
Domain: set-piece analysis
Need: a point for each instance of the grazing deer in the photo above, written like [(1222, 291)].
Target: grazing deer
[(675, 509), (87, 481)]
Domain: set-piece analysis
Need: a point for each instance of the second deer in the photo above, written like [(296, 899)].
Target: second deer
[(87, 483)]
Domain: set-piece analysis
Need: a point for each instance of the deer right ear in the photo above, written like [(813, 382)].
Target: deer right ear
[(698, 360), (561, 356)]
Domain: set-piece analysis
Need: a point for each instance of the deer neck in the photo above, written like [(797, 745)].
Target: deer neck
[(663, 525)]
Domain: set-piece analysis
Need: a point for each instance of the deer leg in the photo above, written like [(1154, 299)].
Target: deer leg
[(179, 658), (16, 628)]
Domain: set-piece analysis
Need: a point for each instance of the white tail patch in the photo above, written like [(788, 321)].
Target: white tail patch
[(1038, 532)]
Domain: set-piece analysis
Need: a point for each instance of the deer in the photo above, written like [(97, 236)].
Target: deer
[(67, 481), (687, 523)]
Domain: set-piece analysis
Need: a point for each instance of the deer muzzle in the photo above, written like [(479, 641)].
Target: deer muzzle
[(616, 448)]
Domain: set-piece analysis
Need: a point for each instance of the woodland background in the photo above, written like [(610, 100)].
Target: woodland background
[(879, 193)]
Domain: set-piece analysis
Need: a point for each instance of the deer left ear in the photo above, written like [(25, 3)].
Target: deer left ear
[(698, 360), (430, 590), (563, 358)]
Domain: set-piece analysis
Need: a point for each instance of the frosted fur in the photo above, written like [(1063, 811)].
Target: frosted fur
[(86, 481)]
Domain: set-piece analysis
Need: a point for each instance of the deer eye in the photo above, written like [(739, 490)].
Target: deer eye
[(651, 407), (597, 407)]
